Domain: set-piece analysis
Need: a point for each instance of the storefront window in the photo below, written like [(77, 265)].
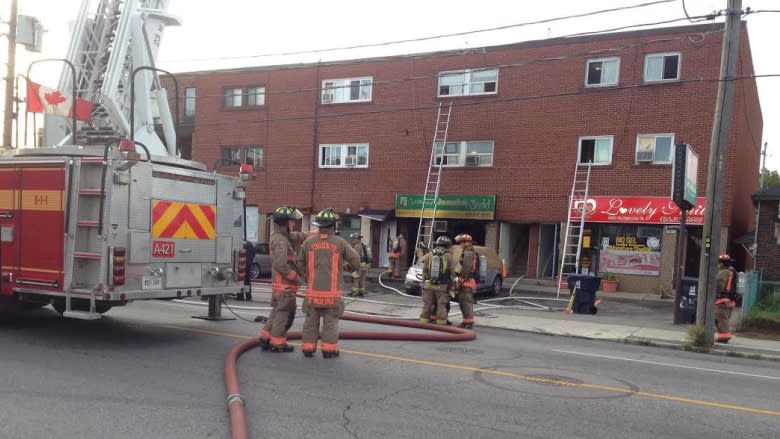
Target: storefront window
[(630, 249)]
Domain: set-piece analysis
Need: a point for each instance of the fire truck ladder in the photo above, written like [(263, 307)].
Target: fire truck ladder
[(572, 241), (433, 181), (86, 243)]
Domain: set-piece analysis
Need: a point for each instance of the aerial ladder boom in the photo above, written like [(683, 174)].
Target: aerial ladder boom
[(106, 50)]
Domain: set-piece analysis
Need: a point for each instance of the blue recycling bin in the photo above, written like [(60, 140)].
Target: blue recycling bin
[(584, 288)]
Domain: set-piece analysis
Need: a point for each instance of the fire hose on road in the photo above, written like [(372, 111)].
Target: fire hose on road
[(235, 401)]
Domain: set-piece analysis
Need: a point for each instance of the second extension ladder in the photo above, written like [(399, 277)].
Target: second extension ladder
[(577, 209)]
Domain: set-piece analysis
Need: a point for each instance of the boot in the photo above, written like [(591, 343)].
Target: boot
[(248, 297), (282, 348), (308, 354), (466, 325), (330, 354), (240, 297), (265, 344)]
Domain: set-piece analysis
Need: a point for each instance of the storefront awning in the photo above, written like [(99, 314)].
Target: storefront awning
[(375, 214)]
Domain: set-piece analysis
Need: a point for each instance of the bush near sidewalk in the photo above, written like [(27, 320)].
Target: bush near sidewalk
[(763, 320)]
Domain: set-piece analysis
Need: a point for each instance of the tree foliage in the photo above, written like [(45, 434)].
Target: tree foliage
[(770, 178)]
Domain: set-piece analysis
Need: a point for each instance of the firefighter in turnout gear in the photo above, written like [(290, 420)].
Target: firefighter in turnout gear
[(322, 258), (466, 279), (726, 298), (438, 275), (397, 257), (285, 279), (359, 275)]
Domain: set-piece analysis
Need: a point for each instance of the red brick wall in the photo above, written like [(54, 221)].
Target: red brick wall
[(768, 249), (541, 109)]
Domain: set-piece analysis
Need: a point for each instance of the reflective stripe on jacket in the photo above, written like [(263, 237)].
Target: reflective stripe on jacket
[(284, 268), (321, 257)]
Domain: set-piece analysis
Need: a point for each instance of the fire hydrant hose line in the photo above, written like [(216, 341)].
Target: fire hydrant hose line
[(235, 402)]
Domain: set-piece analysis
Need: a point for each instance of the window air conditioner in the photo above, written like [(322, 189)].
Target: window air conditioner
[(472, 160), (644, 156), (350, 161), (440, 226), (327, 97)]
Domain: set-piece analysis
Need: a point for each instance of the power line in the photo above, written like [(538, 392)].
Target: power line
[(433, 37)]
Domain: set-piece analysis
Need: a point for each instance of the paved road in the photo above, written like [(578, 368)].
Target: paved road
[(149, 370)]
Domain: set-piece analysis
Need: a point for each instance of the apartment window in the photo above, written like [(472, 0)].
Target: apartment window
[(255, 96), (602, 71), (465, 153), (654, 148), (240, 97), (336, 91), (189, 102), (468, 82), (344, 156), (235, 155), (662, 67), (595, 149)]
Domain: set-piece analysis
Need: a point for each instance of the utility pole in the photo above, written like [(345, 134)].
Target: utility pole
[(761, 173), (8, 112), (716, 172)]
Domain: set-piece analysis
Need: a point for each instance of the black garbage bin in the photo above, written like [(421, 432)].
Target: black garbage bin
[(584, 288), (687, 300)]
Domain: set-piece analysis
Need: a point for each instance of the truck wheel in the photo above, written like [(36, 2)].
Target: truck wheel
[(496, 287), (254, 271), (81, 305)]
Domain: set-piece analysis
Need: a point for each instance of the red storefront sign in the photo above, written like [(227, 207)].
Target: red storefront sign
[(645, 210)]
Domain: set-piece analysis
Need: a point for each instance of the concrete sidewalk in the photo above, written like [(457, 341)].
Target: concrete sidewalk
[(635, 327)]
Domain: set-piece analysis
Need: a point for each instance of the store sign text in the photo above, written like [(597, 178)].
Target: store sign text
[(645, 210)]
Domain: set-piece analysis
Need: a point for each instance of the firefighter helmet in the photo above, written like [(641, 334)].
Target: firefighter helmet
[(326, 218), (443, 241), (286, 213), (464, 237), (355, 235), (724, 257)]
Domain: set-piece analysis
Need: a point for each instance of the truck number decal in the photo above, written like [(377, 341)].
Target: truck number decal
[(163, 249)]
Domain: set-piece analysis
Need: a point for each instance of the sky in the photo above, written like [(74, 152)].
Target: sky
[(239, 33)]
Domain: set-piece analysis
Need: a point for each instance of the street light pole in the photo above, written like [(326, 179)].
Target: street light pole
[(716, 172)]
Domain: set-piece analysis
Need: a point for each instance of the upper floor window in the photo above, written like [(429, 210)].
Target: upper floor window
[(469, 82), (344, 155), (235, 155), (662, 67), (189, 102), (655, 148), (346, 90), (602, 71), (595, 149), (244, 96), (465, 153)]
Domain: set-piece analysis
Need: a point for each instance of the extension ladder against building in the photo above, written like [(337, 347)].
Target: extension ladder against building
[(575, 224), (433, 180)]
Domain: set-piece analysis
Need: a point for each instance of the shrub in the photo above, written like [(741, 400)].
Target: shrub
[(697, 337)]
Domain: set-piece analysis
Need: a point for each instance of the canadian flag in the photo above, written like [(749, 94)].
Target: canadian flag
[(41, 99)]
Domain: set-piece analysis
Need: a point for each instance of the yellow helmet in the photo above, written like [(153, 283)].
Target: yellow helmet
[(326, 218), (284, 213)]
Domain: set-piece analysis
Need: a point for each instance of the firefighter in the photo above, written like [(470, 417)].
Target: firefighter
[(359, 276), (726, 298), (246, 292), (437, 271), (285, 279), (466, 281), (322, 258), (398, 252)]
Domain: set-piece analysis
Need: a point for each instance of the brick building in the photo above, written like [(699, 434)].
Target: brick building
[(767, 201), (356, 136)]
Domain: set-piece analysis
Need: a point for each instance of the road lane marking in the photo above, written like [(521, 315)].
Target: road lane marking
[(681, 366), (519, 376)]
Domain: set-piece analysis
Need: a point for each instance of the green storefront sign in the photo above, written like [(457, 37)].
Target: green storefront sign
[(481, 207)]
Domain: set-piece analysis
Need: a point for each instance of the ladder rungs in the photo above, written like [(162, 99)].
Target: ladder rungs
[(87, 255), (91, 192)]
